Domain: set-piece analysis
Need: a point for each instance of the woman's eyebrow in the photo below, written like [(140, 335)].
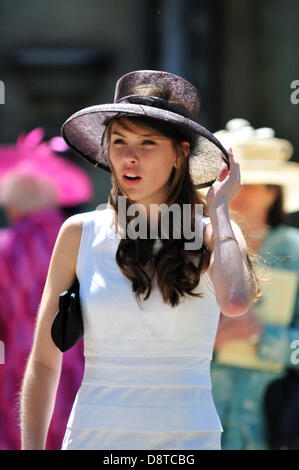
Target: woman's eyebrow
[(117, 133), (141, 135)]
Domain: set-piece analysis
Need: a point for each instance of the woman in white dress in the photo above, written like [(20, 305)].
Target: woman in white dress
[(150, 313)]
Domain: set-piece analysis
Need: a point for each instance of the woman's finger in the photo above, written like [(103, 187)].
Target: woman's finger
[(232, 159), (235, 167)]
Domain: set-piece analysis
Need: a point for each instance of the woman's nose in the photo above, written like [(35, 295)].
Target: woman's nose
[(130, 154)]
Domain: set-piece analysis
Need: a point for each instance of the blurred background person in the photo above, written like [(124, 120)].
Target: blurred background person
[(35, 183), (254, 350)]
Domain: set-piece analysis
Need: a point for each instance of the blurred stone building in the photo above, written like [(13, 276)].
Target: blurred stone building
[(56, 57)]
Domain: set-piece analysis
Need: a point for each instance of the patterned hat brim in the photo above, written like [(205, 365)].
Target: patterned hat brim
[(83, 132)]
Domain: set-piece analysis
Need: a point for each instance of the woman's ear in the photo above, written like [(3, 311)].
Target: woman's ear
[(186, 148)]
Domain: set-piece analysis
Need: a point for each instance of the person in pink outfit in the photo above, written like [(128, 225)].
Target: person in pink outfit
[(31, 200)]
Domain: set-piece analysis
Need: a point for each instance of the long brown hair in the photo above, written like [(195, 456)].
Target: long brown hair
[(177, 271), (276, 214)]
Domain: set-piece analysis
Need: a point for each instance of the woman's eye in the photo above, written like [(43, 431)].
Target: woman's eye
[(148, 142), (118, 141)]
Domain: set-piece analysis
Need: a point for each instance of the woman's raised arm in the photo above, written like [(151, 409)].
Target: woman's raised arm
[(44, 364)]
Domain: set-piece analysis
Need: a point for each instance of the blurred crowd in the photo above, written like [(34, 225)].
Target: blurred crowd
[(254, 375)]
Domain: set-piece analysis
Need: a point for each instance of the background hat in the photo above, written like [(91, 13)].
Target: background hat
[(263, 158), (32, 157), (152, 94)]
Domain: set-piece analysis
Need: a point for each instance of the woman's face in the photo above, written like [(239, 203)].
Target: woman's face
[(144, 152)]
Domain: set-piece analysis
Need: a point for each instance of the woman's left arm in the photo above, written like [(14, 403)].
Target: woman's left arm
[(233, 279)]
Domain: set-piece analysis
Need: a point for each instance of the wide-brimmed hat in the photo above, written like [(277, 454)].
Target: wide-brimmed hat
[(151, 94), (263, 158), (35, 158)]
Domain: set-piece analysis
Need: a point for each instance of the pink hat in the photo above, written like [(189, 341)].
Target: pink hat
[(33, 157)]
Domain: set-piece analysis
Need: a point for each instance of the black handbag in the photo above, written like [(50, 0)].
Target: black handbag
[(67, 327), (281, 409)]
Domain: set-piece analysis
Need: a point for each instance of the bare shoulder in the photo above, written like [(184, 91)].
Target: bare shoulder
[(69, 236), (62, 269), (72, 227)]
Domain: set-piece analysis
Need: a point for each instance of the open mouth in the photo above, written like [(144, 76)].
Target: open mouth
[(131, 179)]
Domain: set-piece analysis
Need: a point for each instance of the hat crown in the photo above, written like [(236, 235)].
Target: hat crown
[(254, 144), (159, 89)]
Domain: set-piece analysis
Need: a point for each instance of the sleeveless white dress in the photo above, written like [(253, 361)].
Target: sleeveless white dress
[(147, 380)]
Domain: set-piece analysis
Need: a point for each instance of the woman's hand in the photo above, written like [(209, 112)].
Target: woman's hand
[(228, 183)]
